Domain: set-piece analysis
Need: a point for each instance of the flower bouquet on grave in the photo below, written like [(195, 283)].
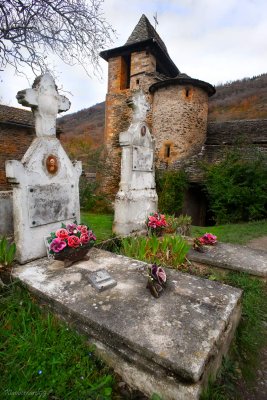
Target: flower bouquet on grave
[(156, 223), (71, 243), (206, 240), (157, 280)]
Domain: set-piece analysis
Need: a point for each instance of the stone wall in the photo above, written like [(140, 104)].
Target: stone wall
[(14, 141), (179, 122), (6, 213)]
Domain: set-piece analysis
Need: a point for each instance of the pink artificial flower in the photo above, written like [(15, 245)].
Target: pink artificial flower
[(208, 239), (84, 239), (57, 245), (71, 228), (62, 233), (91, 235), (161, 275), (83, 229), (74, 241)]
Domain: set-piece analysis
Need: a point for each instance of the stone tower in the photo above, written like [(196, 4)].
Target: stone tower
[(178, 104), (140, 62)]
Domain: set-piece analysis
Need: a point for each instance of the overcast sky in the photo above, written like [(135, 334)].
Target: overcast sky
[(212, 40)]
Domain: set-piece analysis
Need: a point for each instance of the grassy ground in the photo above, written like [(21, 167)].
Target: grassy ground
[(41, 358), (100, 223), (234, 233), (230, 233)]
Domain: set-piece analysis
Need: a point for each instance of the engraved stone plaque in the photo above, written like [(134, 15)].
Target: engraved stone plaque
[(50, 203), (142, 159), (101, 280)]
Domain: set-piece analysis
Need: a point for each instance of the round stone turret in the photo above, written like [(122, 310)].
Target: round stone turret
[(180, 112)]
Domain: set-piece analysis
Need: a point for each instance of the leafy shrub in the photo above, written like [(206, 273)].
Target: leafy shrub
[(171, 187), (169, 250), (87, 194), (237, 187), (180, 225), (90, 200), (7, 252)]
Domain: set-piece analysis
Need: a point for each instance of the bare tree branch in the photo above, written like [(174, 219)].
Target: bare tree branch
[(74, 30)]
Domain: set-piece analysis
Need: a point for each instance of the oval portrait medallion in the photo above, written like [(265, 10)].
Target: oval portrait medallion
[(51, 164), (143, 130)]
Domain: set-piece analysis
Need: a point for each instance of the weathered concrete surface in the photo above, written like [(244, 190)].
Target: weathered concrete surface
[(259, 243), (234, 257), (137, 196), (167, 345)]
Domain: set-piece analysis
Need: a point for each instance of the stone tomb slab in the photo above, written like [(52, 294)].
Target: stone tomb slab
[(234, 257), (168, 345)]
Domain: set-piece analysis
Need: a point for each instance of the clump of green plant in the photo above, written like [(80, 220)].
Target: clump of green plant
[(180, 225), (251, 336), (171, 187), (41, 357), (7, 252), (168, 251), (237, 187)]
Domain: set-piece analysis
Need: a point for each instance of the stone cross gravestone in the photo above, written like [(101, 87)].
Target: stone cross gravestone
[(137, 196), (45, 182)]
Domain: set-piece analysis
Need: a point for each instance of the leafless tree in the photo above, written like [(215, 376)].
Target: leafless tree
[(74, 30)]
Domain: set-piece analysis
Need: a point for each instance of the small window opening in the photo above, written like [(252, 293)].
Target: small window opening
[(125, 72), (167, 150), (137, 81), (187, 92)]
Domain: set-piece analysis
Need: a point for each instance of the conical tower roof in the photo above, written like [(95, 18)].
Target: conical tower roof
[(145, 37), (144, 31)]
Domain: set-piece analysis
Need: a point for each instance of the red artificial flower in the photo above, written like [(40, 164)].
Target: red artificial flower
[(74, 241), (62, 233), (84, 239)]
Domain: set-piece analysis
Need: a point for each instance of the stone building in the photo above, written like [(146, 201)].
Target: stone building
[(178, 103), (16, 135)]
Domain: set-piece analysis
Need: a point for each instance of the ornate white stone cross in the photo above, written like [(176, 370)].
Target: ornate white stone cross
[(45, 102)]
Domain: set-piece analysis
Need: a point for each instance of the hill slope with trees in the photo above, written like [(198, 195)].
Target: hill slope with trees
[(241, 99)]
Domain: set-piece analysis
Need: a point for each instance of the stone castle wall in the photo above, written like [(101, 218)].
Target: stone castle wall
[(14, 141), (179, 122)]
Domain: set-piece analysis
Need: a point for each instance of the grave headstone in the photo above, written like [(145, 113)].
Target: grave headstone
[(45, 182), (137, 196)]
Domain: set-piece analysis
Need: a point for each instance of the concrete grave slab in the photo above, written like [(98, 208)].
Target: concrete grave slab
[(233, 257), (168, 345)]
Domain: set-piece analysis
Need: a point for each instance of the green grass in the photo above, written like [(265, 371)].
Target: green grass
[(229, 233), (100, 223), (41, 357), (241, 364), (234, 233)]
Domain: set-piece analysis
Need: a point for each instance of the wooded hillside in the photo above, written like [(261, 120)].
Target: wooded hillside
[(242, 99)]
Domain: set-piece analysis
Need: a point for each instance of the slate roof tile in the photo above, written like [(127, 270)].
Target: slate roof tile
[(15, 115)]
